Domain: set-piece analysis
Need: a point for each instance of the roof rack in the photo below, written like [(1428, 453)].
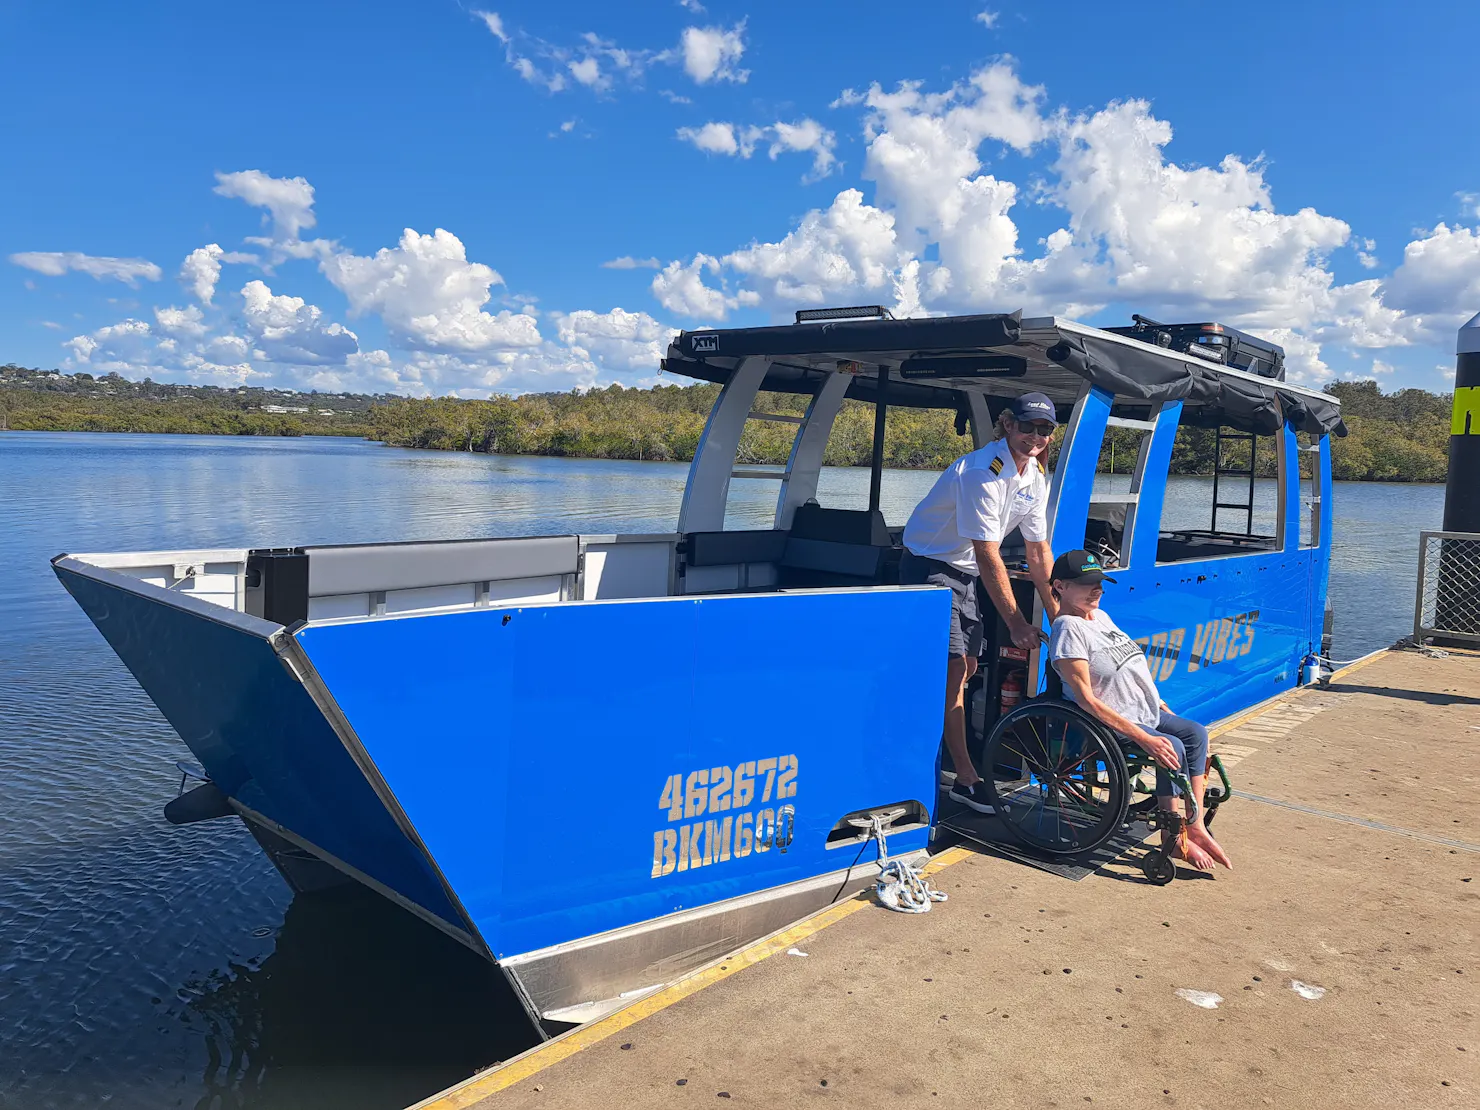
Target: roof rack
[(853, 312)]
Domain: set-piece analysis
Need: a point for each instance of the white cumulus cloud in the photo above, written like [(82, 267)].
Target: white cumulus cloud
[(188, 321), (430, 295), (288, 200), (803, 136), (680, 288), (846, 250), (588, 72), (713, 53), (124, 341), (616, 340), (940, 233), (288, 329), (1438, 281), (713, 138), (806, 136), (201, 269), (98, 267), (936, 226)]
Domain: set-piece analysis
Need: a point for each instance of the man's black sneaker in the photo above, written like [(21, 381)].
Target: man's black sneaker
[(974, 796)]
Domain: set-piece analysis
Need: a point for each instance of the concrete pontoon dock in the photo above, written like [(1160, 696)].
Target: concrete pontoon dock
[(1342, 950)]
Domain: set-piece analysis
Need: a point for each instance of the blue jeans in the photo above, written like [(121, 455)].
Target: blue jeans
[(1191, 741)]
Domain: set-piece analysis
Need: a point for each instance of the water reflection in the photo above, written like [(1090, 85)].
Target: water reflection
[(359, 1005)]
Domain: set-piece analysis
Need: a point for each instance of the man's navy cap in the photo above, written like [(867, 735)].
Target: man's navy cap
[(1033, 406), (1078, 566)]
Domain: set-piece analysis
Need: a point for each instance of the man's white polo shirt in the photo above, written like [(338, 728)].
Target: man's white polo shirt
[(981, 496)]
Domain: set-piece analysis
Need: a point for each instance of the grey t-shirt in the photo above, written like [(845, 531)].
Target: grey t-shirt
[(1118, 674)]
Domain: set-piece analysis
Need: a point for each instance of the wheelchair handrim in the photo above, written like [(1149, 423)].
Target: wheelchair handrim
[(1067, 790)]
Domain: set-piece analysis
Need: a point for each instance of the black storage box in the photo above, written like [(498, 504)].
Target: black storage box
[(1216, 343), (281, 574)]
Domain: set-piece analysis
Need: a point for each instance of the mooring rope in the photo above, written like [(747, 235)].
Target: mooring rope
[(902, 886)]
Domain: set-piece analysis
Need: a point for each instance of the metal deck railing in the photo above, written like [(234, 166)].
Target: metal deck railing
[(1448, 602)]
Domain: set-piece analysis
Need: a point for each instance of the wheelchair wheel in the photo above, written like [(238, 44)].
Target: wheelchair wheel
[(1056, 778), (1158, 868)]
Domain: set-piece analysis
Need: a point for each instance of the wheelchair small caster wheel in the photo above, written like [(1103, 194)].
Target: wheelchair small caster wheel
[(1159, 869), (1209, 814)]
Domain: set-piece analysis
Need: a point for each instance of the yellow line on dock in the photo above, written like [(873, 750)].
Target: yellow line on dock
[(521, 1067), (540, 1057)]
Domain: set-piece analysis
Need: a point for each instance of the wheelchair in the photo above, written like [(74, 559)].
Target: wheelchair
[(1062, 784)]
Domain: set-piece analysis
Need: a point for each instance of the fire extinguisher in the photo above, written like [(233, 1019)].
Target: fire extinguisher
[(1012, 690)]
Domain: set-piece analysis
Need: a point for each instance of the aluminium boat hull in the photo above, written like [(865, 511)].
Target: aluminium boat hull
[(599, 796)]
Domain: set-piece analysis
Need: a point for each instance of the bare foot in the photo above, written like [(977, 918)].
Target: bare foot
[(1204, 840), (1189, 851)]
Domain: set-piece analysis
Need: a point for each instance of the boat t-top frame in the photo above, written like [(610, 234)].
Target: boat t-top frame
[(969, 364)]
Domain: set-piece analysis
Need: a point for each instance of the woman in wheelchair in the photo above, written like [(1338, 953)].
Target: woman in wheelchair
[(1105, 673)]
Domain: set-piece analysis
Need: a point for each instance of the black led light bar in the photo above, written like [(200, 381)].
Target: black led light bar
[(964, 366), (854, 312)]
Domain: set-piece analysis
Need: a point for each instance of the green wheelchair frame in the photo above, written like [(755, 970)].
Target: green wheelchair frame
[(1157, 863)]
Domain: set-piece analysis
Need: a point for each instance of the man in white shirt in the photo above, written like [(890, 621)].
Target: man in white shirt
[(954, 537)]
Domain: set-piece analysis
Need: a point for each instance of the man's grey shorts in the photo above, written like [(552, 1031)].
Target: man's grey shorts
[(966, 615)]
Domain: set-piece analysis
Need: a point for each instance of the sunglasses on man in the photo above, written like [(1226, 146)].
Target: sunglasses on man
[(1036, 428)]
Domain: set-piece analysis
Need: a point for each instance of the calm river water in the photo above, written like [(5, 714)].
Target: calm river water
[(151, 966)]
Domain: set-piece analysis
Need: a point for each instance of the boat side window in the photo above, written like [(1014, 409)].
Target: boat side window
[(1222, 495), (1309, 453), (1117, 489)]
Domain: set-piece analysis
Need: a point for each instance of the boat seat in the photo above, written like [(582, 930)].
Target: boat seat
[(839, 547), (850, 526), (716, 549), (825, 563), (824, 547)]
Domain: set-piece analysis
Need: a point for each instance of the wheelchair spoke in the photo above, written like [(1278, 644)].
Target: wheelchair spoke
[(1058, 781), (1042, 747), (1082, 796)]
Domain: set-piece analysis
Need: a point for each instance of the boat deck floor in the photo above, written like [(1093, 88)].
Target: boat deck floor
[(1343, 949)]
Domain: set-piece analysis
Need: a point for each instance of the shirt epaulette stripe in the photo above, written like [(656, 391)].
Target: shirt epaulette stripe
[(996, 467)]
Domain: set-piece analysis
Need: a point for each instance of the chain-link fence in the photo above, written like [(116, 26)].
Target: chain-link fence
[(1448, 605)]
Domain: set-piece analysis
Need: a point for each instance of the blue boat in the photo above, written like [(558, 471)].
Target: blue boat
[(750, 710)]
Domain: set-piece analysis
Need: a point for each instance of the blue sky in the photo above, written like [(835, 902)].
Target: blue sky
[(222, 194)]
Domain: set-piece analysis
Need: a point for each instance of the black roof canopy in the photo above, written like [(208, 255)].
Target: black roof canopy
[(932, 361)]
